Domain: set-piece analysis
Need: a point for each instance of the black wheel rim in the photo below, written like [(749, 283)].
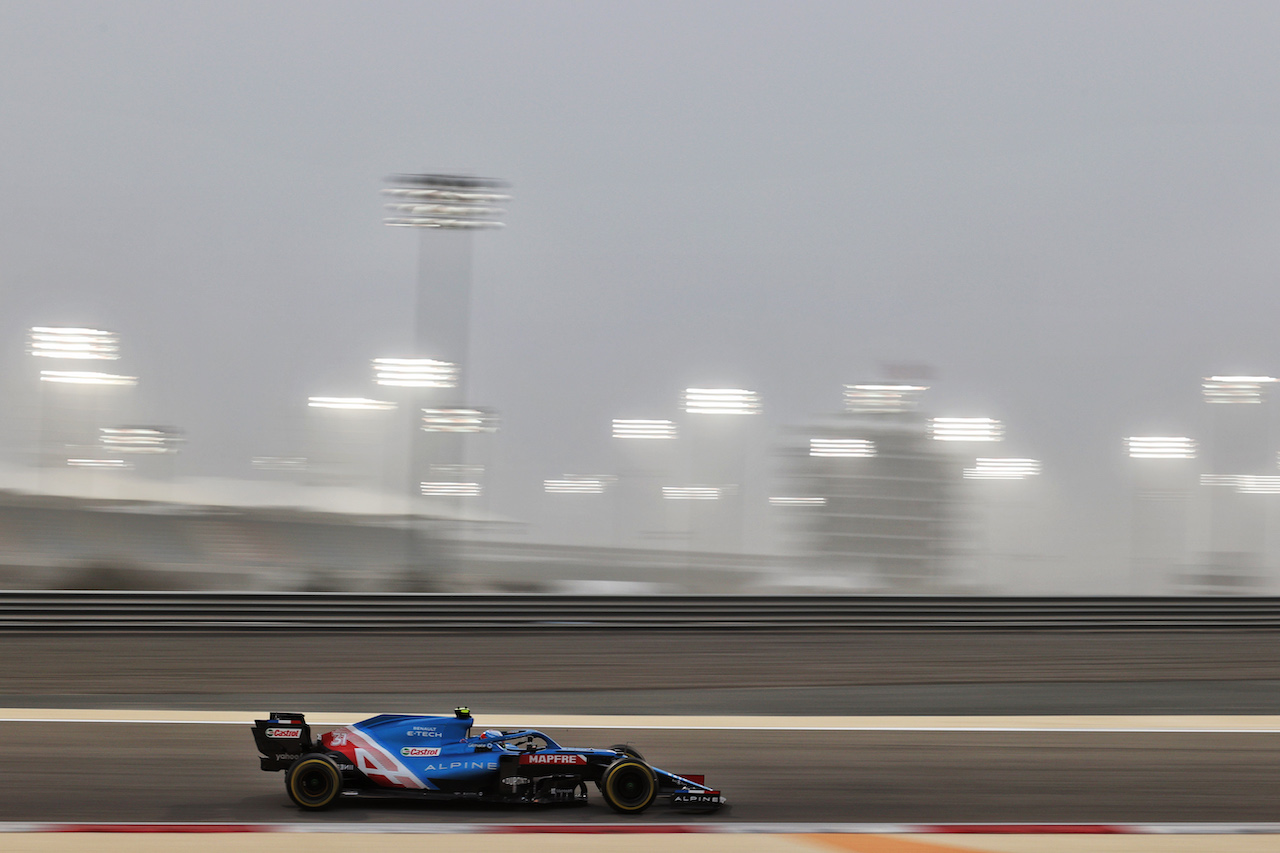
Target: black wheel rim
[(314, 784), (631, 786)]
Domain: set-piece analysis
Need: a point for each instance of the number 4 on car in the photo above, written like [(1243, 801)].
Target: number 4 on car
[(437, 758)]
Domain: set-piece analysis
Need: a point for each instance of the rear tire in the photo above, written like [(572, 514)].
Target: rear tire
[(628, 786), (313, 782)]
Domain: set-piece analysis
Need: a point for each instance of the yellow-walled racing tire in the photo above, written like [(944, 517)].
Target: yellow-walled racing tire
[(313, 781), (628, 786)]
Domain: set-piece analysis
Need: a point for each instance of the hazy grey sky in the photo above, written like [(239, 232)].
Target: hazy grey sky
[(1072, 210)]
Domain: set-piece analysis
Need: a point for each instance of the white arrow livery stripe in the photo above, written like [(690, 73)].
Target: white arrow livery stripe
[(378, 764)]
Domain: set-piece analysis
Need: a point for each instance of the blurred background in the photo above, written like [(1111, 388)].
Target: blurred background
[(666, 297)]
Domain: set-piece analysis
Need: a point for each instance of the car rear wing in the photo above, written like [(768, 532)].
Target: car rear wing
[(282, 739)]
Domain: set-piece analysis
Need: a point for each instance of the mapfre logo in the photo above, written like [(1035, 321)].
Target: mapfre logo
[(284, 733), (553, 759), (420, 751)]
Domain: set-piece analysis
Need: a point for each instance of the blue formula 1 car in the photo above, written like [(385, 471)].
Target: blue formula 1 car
[(437, 758)]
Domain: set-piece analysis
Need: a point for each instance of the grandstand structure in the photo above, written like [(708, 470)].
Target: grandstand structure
[(241, 535)]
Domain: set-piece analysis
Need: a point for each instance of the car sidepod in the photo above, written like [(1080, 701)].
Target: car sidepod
[(415, 753)]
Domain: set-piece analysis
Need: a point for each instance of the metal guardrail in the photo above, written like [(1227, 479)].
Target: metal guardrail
[(386, 612)]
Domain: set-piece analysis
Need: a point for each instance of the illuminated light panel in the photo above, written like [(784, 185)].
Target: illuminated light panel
[(451, 490), (279, 463), (882, 398), (459, 420), (651, 429), (458, 473), (842, 447), (423, 209), (457, 202), (86, 377), (352, 403), (69, 342), (1161, 447), (443, 195), (1003, 469), (797, 501), (415, 372), (140, 439), (966, 429), (441, 222), (1258, 484), (574, 486), (691, 493), (1235, 389), (721, 401), (1248, 484), (109, 464)]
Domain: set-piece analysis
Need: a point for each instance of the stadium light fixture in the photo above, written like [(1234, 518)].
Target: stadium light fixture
[(279, 463), (455, 202), (72, 342), (797, 501), (1247, 484), (100, 464), (574, 485), (966, 429), (721, 401), (450, 489), (842, 447), (650, 429), (1258, 484), (691, 493), (882, 398), (351, 403), (1002, 469), (415, 373), (1161, 447), (138, 439), (459, 420), (1235, 389), (86, 377)]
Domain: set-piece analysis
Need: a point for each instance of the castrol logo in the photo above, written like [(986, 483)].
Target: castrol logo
[(420, 751), (284, 733)]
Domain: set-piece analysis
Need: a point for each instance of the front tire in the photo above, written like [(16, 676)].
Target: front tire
[(628, 786), (626, 749), (313, 782)]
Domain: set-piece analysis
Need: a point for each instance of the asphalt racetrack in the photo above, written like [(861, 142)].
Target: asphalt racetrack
[(66, 771), (195, 773)]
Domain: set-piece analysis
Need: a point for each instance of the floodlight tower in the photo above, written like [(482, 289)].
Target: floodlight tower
[(74, 403), (446, 209), (719, 438), (1237, 447), (347, 437), (1162, 478), (644, 450)]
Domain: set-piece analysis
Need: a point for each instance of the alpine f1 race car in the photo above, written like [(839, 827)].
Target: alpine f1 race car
[(437, 758)]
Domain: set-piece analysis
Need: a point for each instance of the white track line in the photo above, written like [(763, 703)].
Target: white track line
[(1182, 724)]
